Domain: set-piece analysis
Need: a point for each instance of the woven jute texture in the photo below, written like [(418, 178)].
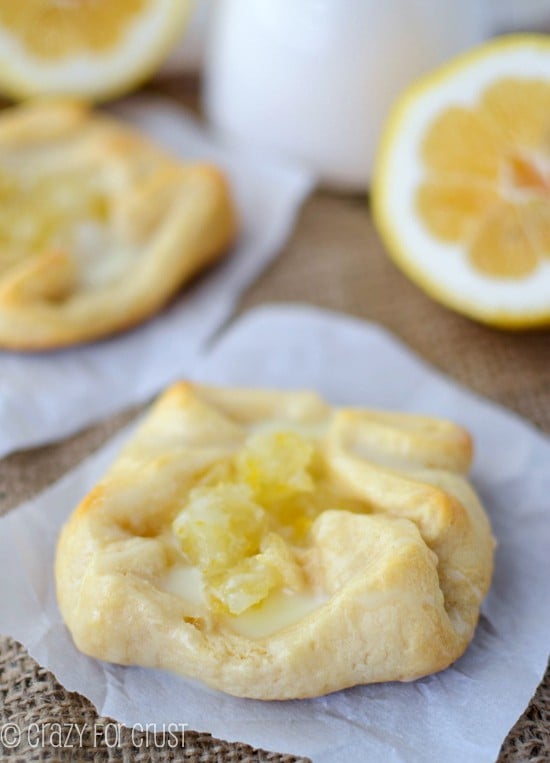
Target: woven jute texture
[(334, 259)]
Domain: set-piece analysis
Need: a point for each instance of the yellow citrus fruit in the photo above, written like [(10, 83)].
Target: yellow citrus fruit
[(461, 191), (86, 48)]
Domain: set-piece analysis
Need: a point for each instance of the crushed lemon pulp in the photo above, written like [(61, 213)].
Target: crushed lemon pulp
[(244, 526)]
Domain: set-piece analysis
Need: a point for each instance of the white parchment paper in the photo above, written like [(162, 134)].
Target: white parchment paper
[(44, 397), (461, 714)]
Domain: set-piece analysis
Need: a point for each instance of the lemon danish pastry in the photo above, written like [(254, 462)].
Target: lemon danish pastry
[(275, 547), (99, 228)]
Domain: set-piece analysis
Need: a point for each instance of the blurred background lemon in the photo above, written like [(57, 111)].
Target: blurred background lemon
[(87, 48), (462, 190)]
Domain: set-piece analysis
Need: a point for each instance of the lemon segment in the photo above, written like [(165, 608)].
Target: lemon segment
[(461, 191), (86, 49)]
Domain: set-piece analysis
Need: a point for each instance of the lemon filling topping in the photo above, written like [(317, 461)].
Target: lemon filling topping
[(44, 213), (245, 526), (68, 213)]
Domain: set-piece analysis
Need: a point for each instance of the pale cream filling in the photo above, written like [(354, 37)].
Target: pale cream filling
[(279, 610), (100, 259)]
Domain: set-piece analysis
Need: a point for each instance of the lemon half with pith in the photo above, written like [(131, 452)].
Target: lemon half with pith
[(86, 48), (461, 190)]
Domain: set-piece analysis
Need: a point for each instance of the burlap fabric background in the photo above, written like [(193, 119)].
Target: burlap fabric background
[(334, 259)]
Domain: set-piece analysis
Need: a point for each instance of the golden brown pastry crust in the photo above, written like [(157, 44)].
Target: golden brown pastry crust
[(161, 222), (403, 582)]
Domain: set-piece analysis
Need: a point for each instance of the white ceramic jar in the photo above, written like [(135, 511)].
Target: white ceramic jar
[(314, 79)]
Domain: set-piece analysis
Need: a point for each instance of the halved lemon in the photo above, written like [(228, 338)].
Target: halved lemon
[(86, 48), (461, 190)]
